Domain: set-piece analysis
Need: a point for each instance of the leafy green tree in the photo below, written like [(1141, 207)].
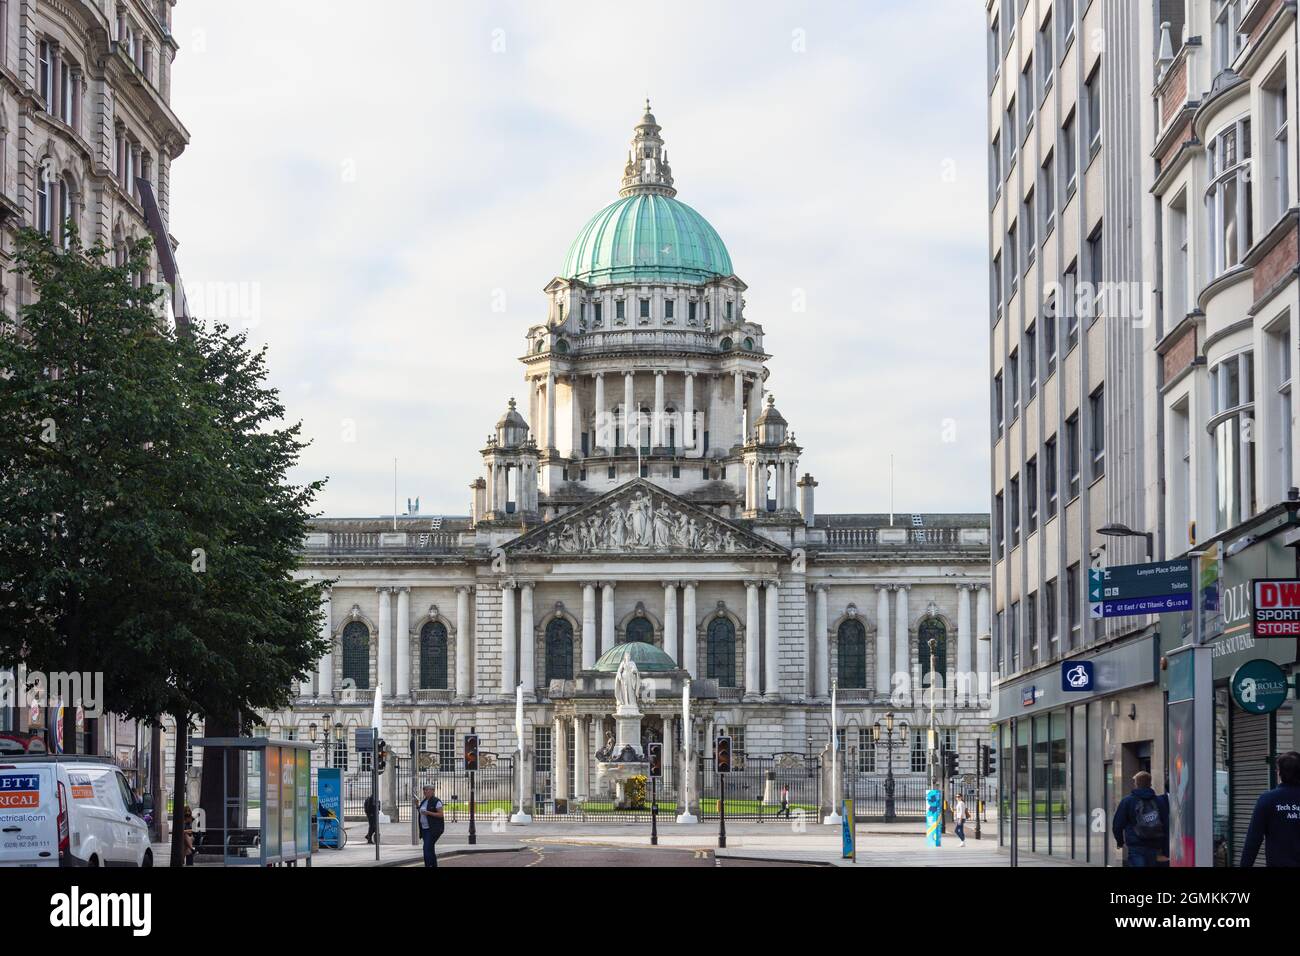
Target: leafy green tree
[(151, 531)]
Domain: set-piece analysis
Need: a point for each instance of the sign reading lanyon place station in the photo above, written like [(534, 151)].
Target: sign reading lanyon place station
[(1126, 590), (1276, 607)]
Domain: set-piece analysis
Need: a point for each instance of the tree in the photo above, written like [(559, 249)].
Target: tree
[(153, 533)]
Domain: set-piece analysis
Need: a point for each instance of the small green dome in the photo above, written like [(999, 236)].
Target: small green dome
[(646, 657), (647, 237)]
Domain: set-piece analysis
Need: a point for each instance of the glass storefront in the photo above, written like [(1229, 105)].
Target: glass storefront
[(1059, 794), (1042, 800), (1079, 781)]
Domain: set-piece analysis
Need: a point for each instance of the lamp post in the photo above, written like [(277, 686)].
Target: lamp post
[(887, 733), (934, 732), (1118, 530)]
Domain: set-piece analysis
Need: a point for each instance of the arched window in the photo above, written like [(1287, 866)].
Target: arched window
[(720, 652), (639, 629), (44, 200), (851, 646), (559, 650), (66, 223), (433, 656), (356, 655), (933, 628)]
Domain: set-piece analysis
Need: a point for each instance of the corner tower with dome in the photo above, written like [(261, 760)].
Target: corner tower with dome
[(643, 492)]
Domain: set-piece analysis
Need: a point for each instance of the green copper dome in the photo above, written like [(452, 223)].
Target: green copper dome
[(649, 237), (646, 657)]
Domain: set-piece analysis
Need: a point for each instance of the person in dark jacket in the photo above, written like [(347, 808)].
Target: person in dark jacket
[(1276, 820), (372, 818), (1142, 824), (431, 825)]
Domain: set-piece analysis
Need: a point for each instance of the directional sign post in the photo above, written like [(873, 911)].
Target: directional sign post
[(1128, 590)]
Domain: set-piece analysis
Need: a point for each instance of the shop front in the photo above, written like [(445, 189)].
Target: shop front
[(1247, 737), (1068, 749)]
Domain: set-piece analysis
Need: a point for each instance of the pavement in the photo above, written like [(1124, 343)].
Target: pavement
[(499, 844)]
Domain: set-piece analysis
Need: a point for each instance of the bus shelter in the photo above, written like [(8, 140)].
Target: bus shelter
[(266, 801)]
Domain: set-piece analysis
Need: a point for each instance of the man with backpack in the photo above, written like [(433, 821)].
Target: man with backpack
[(1142, 824)]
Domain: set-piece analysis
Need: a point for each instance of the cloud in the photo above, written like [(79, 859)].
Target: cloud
[(382, 189)]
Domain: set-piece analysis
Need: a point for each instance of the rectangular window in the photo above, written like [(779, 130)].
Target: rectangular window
[(1050, 624), (1013, 383), (920, 749), (866, 751), (1232, 408), (341, 751), (1049, 476), (1013, 267), (1065, 14), (1180, 477), (730, 305), (1070, 155), (1013, 491), (668, 309), (997, 287), (645, 308), (1279, 343), (995, 165), (1029, 252), (447, 749), (1070, 304), (1027, 99), (1011, 141), (1176, 284), (690, 313), (1030, 352), (1013, 637), (1275, 110), (543, 753), (1228, 38), (1072, 602), (1092, 103), (995, 50), (999, 524), (620, 309), (1046, 57), (1072, 449), (1097, 422), (1035, 653), (1049, 337), (1047, 197), (597, 314), (1095, 273), (1031, 494)]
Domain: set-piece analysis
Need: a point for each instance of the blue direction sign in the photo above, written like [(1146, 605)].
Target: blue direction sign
[(1126, 590)]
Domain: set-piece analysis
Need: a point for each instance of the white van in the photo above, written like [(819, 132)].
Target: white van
[(69, 811)]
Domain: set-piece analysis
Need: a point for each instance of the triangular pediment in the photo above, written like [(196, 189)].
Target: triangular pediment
[(640, 518)]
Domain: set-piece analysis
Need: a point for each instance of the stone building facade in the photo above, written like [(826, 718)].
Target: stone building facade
[(652, 495)]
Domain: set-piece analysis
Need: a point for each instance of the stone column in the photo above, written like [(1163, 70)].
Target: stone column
[(606, 616), (902, 649), (550, 411), (668, 760), (772, 643), (384, 639), (821, 644), (629, 410), (403, 642), (884, 660), (508, 638), (690, 634), (688, 421), (670, 620), (463, 643), (963, 644), (527, 639), (560, 743), (779, 478), (752, 644), (740, 407), (755, 400), (590, 637), (657, 426), (575, 417), (325, 667), (601, 439), (581, 759), (985, 642)]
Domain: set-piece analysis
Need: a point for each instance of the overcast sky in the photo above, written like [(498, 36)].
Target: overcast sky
[(373, 187)]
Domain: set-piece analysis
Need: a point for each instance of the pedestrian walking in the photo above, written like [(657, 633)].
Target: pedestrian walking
[(1275, 823), (372, 818), (959, 818), (1142, 824), (785, 802), (431, 825)]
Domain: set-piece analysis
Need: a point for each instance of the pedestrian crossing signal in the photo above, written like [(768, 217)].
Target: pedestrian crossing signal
[(471, 752), (655, 752), (381, 755), (950, 763), (722, 754)]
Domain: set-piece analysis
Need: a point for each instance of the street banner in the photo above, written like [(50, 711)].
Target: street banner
[(848, 831), (1276, 607)]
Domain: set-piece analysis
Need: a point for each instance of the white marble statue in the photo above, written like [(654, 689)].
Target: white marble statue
[(627, 685)]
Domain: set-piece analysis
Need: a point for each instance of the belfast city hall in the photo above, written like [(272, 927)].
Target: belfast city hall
[(643, 500)]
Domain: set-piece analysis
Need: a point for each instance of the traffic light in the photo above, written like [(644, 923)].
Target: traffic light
[(993, 760), (722, 754), (471, 752), (950, 763), (655, 752), (381, 754)]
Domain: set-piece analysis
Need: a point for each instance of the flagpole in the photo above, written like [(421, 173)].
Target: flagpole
[(376, 722), (687, 733), (520, 818), (833, 818)]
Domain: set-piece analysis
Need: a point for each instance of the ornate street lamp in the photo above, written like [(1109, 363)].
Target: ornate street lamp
[(887, 733)]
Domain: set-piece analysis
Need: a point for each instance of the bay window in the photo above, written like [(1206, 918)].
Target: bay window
[(1231, 430), (1227, 200)]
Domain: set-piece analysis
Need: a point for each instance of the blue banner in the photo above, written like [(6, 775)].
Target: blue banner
[(933, 816), (329, 791)]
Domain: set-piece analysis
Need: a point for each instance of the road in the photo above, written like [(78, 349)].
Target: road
[(567, 854)]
